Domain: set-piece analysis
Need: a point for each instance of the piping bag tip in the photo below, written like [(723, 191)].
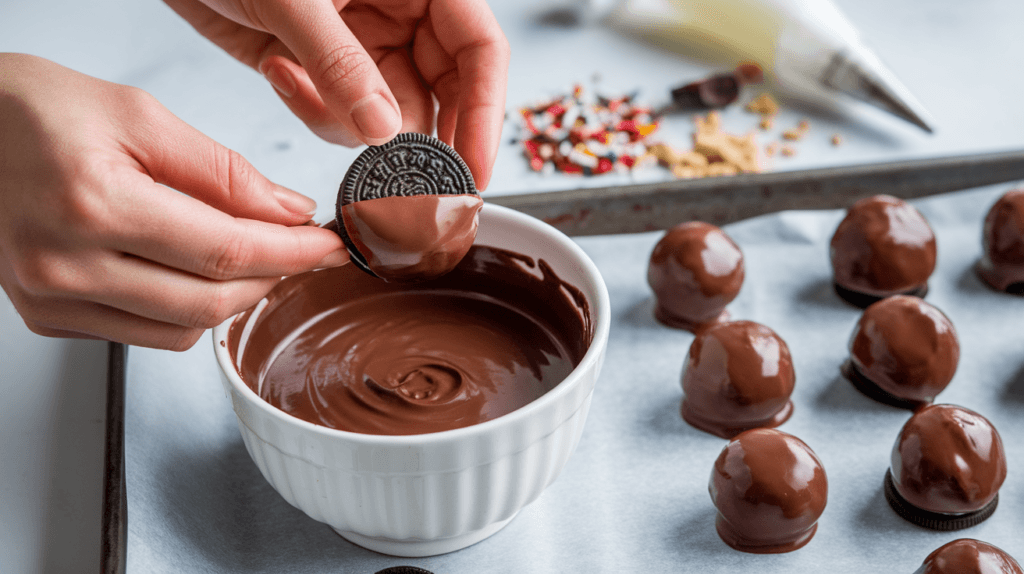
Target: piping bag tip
[(868, 80)]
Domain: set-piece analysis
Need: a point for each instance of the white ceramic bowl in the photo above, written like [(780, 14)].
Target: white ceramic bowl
[(420, 495)]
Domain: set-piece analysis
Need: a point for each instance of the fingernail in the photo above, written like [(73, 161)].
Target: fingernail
[(335, 258), (281, 79), (376, 118), (295, 202)]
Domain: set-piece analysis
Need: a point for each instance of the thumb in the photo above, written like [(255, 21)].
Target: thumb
[(179, 156), (347, 79)]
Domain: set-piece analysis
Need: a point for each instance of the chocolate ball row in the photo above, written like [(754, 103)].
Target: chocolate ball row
[(769, 487)]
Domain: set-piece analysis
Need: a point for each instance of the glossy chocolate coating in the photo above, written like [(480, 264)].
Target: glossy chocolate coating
[(770, 489), (342, 349), (738, 376), (949, 460), (906, 347), (412, 238), (1002, 263), (969, 556), (695, 271), (883, 247)]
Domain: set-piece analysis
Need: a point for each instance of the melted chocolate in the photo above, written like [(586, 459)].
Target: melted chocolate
[(883, 247), (948, 460), (695, 271), (968, 556), (906, 347), (342, 349), (738, 375), (770, 489), (412, 238), (1002, 264)]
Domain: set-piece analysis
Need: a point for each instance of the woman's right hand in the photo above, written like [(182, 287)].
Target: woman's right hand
[(119, 221)]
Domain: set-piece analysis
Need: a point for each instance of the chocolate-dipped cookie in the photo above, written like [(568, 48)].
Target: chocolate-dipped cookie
[(946, 468), (969, 556), (1002, 261), (883, 247), (903, 352), (695, 270), (407, 210), (738, 376), (770, 489)]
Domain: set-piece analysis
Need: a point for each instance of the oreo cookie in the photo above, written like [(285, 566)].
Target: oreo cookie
[(903, 352), (934, 520), (403, 570), (863, 300), (869, 389), (407, 210), (947, 466)]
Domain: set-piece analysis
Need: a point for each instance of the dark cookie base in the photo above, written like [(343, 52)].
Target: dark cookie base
[(862, 300), (404, 570), (868, 388), (934, 520)]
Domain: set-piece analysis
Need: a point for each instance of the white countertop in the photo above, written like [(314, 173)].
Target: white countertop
[(955, 57)]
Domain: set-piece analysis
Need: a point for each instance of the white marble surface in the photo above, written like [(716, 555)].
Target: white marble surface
[(958, 58)]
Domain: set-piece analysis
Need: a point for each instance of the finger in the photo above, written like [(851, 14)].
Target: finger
[(412, 96), (468, 33), (297, 91), (175, 154), (177, 231), (344, 74), (156, 292), (55, 317)]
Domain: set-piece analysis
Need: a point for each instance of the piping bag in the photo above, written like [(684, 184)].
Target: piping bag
[(807, 48)]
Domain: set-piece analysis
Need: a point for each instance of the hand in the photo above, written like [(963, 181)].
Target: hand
[(92, 243), (362, 70)]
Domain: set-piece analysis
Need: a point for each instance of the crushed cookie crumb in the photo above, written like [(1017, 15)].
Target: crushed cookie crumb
[(764, 105), (714, 152), (797, 133), (788, 151), (771, 149), (837, 140)]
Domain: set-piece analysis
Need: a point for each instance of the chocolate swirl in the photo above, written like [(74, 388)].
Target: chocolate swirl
[(341, 349)]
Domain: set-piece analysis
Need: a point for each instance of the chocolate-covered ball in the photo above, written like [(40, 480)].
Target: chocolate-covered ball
[(883, 247), (946, 468), (969, 556), (1002, 263), (738, 376), (903, 352), (695, 271), (770, 489)]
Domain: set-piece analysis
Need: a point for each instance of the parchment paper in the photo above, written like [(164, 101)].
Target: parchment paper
[(633, 498)]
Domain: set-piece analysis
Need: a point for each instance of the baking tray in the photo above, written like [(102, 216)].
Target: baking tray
[(633, 497)]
